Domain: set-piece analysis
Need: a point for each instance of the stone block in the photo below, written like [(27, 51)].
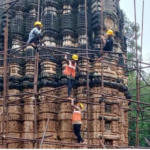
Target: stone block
[(94, 141), (16, 135), (84, 135), (120, 143), (14, 109), (28, 145), (96, 108), (44, 116), (94, 135), (82, 96), (15, 146), (48, 146), (66, 108), (28, 126), (67, 135), (84, 125), (48, 67), (115, 142), (43, 108), (14, 117), (50, 128), (110, 136), (28, 117), (14, 126), (65, 116), (27, 135), (54, 136), (84, 114), (28, 109), (11, 134), (114, 126), (65, 126), (95, 126), (94, 116)]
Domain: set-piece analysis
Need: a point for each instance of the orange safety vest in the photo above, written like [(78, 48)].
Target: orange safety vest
[(70, 69), (76, 116)]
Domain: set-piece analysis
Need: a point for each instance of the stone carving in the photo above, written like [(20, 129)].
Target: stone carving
[(109, 23)]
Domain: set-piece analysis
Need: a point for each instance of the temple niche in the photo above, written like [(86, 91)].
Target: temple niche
[(64, 26)]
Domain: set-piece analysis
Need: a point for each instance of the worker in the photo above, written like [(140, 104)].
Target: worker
[(76, 119), (35, 35), (108, 44), (70, 72)]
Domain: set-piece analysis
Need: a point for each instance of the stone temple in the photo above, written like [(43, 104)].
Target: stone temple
[(64, 26)]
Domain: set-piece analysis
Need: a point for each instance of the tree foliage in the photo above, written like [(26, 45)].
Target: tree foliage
[(144, 119), (129, 31)]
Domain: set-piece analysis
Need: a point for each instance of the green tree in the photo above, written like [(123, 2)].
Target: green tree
[(144, 125), (129, 31)]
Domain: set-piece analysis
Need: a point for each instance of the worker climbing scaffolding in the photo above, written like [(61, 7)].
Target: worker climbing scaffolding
[(108, 44), (76, 119), (35, 35), (70, 72)]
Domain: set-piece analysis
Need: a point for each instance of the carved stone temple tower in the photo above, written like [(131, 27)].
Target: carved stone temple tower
[(64, 31)]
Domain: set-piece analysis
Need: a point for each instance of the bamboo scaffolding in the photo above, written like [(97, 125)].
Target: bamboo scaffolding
[(63, 100)]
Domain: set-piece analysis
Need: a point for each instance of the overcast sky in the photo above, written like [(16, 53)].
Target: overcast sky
[(128, 7)]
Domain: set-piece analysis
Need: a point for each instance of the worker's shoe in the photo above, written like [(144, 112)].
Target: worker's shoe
[(85, 142)]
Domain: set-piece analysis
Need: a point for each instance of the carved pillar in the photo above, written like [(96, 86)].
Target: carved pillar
[(50, 22), (96, 124), (46, 109), (48, 64), (14, 115), (81, 24), (48, 77), (32, 18), (28, 79), (15, 74), (65, 131), (28, 115), (67, 24)]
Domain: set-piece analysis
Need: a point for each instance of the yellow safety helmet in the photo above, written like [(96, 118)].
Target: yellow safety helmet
[(110, 32), (75, 57), (38, 23), (82, 106)]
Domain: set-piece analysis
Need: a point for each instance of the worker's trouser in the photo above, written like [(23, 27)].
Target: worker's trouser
[(77, 128), (70, 85)]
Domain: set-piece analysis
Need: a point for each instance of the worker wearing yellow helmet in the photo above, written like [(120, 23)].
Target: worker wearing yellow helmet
[(108, 43), (70, 72), (35, 34), (76, 119)]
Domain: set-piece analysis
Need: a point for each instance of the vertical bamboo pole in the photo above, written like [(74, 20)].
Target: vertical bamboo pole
[(137, 82), (38, 16), (102, 69), (35, 94), (142, 41), (36, 83), (5, 77), (87, 67)]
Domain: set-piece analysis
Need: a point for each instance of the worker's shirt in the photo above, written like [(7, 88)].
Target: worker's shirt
[(33, 35), (78, 110), (70, 76), (109, 44)]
